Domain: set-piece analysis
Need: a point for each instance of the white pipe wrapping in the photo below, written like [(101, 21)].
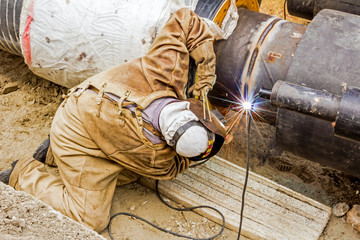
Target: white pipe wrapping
[(68, 41)]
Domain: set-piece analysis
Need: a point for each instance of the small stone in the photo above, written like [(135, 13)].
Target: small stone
[(353, 217), (10, 87), (340, 209), (357, 192), (132, 208)]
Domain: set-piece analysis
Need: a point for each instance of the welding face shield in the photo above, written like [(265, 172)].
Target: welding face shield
[(184, 127)]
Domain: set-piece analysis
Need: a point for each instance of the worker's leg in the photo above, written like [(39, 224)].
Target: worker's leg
[(88, 179), (50, 160), (88, 202), (125, 176)]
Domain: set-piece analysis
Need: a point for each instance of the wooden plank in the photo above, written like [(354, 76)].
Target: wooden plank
[(271, 211)]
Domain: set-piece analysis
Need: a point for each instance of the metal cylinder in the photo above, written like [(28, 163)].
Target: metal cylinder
[(257, 54), (308, 101), (301, 8), (327, 58), (342, 111), (9, 25), (347, 123), (309, 8)]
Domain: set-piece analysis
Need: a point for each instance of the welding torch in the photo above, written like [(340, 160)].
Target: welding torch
[(342, 111)]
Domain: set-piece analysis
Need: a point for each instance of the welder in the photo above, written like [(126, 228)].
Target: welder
[(129, 121)]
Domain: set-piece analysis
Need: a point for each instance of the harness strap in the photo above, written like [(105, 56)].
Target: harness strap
[(181, 130), (80, 91), (99, 96), (124, 103), (69, 93), (120, 105)]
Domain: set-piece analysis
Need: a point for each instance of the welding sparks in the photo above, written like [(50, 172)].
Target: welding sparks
[(246, 106), (243, 104)]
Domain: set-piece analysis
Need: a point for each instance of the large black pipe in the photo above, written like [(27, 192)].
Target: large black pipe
[(325, 57), (9, 25), (309, 8), (328, 58), (257, 54), (305, 100), (348, 120), (343, 112)]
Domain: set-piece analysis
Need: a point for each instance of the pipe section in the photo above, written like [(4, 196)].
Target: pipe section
[(347, 124), (343, 112), (305, 100), (327, 59), (9, 25), (257, 54), (309, 8)]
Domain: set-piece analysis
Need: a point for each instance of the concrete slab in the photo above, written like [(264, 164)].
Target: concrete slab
[(271, 210), (24, 217)]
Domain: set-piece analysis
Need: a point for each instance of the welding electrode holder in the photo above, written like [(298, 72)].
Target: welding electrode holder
[(343, 110)]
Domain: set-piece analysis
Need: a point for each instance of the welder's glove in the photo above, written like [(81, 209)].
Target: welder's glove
[(200, 90), (205, 60)]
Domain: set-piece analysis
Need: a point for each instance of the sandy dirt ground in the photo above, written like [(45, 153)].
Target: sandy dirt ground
[(25, 119)]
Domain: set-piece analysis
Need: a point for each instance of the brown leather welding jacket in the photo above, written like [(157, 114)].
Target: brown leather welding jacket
[(163, 72)]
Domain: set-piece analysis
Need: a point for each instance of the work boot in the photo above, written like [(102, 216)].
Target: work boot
[(5, 175), (41, 151)]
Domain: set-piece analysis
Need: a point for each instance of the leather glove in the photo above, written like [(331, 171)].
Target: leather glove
[(200, 90), (205, 60)]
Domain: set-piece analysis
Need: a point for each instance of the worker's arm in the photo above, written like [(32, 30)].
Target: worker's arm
[(184, 34)]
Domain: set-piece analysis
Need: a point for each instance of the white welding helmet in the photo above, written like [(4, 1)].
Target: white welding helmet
[(183, 130)]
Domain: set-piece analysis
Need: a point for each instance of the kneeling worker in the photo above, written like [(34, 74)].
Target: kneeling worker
[(131, 120)]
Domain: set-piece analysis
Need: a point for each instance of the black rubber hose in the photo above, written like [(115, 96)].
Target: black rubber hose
[(174, 208), (10, 11)]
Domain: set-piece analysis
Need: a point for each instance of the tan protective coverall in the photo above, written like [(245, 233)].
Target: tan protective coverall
[(95, 141)]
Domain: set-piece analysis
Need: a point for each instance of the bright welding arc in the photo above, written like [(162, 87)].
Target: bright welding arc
[(247, 105)]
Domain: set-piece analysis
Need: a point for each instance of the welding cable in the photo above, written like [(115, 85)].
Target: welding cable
[(174, 208), (246, 175)]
